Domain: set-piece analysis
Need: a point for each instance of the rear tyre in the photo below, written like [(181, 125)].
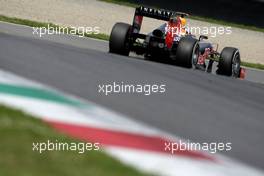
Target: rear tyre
[(229, 63), (187, 52), (119, 39)]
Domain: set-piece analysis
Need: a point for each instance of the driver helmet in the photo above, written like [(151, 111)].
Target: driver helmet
[(183, 22)]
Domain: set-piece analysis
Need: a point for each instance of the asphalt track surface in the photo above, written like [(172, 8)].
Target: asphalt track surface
[(197, 106)]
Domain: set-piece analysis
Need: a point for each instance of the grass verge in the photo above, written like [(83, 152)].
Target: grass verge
[(17, 133), (253, 65), (121, 2), (46, 25), (206, 19), (97, 36)]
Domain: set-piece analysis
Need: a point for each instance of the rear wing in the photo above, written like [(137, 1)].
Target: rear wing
[(159, 14), (141, 12)]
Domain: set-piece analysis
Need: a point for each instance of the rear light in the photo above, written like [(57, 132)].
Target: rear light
[(242, 73)]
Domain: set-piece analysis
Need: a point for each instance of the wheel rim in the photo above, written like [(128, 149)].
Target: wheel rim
[(195, 55), (236, 65)]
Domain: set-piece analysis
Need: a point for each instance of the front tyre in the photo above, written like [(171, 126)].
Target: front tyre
[(229, 63), (119, 39)]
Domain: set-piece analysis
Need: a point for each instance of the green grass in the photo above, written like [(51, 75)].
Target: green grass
[(253, 65), (25, 22), (42, 24), (225, 23), (97, 36), (206, 19), (17, 133), (121, 2)]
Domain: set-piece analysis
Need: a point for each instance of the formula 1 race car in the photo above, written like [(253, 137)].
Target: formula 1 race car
[(171, 41)]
